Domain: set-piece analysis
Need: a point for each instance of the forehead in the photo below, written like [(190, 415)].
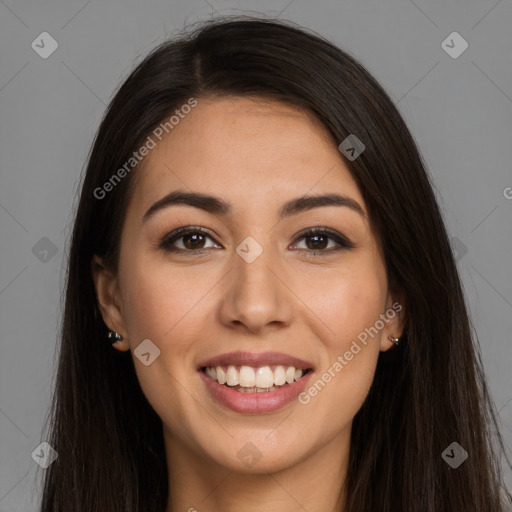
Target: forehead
[(251, 151)]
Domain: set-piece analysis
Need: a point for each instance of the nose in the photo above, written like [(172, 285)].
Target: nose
[(257, 297)]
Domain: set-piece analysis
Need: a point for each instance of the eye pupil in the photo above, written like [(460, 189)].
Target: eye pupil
[(195, 237), (316, 237)]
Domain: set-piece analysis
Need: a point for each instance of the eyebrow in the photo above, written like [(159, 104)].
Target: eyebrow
[(217, 206)]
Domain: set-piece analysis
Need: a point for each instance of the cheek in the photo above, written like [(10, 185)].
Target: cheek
[(347, 303), (165, 305), (346, 299), (160, 305), (157, 297)]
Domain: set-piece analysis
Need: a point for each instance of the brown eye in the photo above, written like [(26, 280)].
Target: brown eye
[(186, 239), (193, 240), (317, 242), (319, 239)]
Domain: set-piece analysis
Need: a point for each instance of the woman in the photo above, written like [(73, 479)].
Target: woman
[(262, 310)]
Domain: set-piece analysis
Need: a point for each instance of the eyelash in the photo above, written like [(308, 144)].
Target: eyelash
[(343, 242)]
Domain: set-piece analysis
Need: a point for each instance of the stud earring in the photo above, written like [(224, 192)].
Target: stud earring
[(114, 337), (396, 341)]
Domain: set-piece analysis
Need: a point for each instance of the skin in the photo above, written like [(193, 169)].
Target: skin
[(254, 154)]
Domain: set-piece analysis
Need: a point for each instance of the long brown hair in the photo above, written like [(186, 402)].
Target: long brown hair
[(427, 393)]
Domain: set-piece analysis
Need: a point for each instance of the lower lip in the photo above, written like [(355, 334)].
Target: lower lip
[(255, 403)]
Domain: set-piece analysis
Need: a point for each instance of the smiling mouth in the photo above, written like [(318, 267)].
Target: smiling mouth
[(248, 379)]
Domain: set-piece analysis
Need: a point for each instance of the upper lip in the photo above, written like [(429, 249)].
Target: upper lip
[(256, 360)]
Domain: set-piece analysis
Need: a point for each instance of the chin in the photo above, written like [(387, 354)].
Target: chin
[(261, 453)]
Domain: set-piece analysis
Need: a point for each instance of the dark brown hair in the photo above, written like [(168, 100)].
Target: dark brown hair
[(428, 394)]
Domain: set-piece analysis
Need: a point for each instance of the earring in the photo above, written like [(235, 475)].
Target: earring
[(396, 341), (114, 337)]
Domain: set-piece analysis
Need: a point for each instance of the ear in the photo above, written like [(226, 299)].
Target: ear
[(109, 302), (394, 320)]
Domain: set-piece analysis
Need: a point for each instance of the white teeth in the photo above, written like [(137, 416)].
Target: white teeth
[(221, 375), (279, 376), (264, 377), (247, 377), (251, 380), (232, 376)]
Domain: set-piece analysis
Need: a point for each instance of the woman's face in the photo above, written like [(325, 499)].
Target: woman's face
[(251, 291)]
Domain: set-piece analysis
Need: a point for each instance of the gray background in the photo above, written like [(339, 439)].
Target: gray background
[(459, 110)]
